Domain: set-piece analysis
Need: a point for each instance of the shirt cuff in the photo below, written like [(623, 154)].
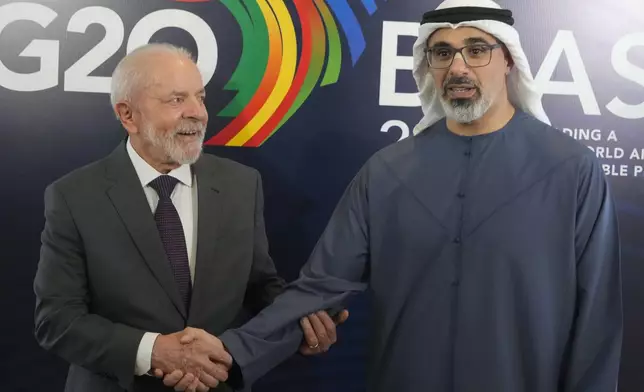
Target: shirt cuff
[(144, 354)]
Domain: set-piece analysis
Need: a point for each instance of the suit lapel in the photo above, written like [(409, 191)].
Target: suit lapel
[(208, 226), (128, 198)]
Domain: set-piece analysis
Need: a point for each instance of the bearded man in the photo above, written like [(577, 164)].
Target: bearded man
[(489, 240), (129, 265)]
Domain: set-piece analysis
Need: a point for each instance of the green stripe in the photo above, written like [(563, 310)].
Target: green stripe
[(332, 73), (249, 72), (312, 76)]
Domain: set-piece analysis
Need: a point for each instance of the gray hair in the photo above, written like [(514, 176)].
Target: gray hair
[(127, 76)]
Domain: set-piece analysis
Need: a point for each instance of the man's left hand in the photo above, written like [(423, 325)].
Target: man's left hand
[(319, 331)]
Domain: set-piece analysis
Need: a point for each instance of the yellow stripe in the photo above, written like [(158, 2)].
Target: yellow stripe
[(287, 69)]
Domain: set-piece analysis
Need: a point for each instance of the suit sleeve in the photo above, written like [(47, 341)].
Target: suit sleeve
[(596, 342), (264, 282), (337, 268), (63, 324)]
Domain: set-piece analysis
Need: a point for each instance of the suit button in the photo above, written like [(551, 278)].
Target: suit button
[(467, 153), (461, 195), (457, 240)]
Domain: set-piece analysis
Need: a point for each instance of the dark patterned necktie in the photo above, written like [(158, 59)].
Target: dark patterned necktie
[(172, 236)]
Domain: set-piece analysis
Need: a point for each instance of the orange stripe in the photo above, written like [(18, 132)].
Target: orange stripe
[(285, 78), (304, 10), (266, 86)]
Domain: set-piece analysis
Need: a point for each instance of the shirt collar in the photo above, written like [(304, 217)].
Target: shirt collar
[(147, 173)]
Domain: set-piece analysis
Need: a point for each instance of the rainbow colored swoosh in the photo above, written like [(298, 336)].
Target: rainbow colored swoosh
[(271, 81)]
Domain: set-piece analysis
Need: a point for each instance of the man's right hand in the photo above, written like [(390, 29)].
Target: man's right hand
[(195, 366)]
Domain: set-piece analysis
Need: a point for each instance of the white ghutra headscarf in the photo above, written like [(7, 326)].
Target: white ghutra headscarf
[(488, 16)]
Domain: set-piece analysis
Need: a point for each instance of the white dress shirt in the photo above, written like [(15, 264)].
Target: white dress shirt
[(184, 198)]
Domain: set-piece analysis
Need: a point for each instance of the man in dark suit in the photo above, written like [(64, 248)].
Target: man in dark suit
[(155, 240)]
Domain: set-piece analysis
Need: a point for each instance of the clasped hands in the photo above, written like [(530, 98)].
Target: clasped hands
[(193, 360)]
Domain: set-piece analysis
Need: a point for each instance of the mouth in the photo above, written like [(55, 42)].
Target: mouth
[(460, 91), (189, 133)]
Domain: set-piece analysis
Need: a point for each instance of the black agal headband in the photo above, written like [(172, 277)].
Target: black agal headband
[(467, 14)]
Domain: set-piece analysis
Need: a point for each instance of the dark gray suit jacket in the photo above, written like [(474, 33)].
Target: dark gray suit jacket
[(103, 278)]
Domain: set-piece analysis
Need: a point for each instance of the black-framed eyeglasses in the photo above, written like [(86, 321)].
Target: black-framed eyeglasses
[(475, 55)]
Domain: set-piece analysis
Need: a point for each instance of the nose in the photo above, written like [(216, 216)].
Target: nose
[(458, 66), (195, 109)]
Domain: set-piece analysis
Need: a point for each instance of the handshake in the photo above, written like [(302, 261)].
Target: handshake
[(190, 360), (194, 360)]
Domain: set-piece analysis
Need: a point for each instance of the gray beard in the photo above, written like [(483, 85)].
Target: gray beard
[(465, 111), (174, 153)]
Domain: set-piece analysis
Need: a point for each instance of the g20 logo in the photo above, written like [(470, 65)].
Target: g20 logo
[(76, 77)]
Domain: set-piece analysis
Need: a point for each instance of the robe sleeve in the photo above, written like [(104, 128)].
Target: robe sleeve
[(595, 346), (337, 268)]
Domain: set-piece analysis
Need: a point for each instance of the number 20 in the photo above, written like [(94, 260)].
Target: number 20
[(77, 76)]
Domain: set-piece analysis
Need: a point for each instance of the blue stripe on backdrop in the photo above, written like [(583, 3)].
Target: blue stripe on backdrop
[(350, 26), (370, 5)]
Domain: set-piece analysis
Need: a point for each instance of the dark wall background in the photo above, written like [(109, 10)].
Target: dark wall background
[(596, 50)]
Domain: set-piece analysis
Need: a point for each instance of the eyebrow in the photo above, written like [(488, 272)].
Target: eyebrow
[(466, 41), (184, 94), (441, 44), (475, 40)]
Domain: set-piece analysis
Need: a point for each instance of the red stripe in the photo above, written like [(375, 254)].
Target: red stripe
[(259, 99), (304, 9)]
